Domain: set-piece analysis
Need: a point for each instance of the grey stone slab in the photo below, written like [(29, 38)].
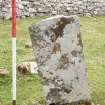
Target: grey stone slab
[(58, 48)]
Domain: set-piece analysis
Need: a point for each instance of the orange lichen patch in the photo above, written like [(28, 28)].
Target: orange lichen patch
[(63, 60), (79, 39), (58, 31), (57, 48)]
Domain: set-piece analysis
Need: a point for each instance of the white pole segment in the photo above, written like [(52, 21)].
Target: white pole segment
[(14, 67)]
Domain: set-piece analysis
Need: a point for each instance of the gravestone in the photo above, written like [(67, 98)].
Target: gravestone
[(58, 48)]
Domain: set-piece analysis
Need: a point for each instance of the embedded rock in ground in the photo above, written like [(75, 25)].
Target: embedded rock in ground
[(58, 46), (28, 45), (3, 72), (27, 68)]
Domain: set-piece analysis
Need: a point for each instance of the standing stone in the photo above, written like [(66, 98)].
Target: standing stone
[(58, 46)]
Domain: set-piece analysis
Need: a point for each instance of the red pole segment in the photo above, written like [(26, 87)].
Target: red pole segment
[(13, 18)]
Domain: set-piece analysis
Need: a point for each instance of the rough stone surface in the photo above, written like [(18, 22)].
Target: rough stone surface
[(58, 47), (32, 8)]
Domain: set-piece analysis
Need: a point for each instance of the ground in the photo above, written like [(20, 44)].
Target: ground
[(29, 88)]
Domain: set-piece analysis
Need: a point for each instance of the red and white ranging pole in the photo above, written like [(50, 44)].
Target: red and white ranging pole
[(13, 52)]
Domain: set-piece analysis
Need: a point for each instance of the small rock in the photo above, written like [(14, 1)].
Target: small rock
[(94, 19), (37, 103), (3, 72), (95, 12), (88, 15), (54, 12), (27, 67), (28, 45), (93, 103)]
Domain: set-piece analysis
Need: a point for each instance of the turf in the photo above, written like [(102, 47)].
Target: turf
[(29, 88)]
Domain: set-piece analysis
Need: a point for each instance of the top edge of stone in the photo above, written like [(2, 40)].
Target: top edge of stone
[(54, 17), (59, 16)]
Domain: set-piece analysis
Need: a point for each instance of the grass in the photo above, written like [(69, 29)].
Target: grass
[(29, 87)]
